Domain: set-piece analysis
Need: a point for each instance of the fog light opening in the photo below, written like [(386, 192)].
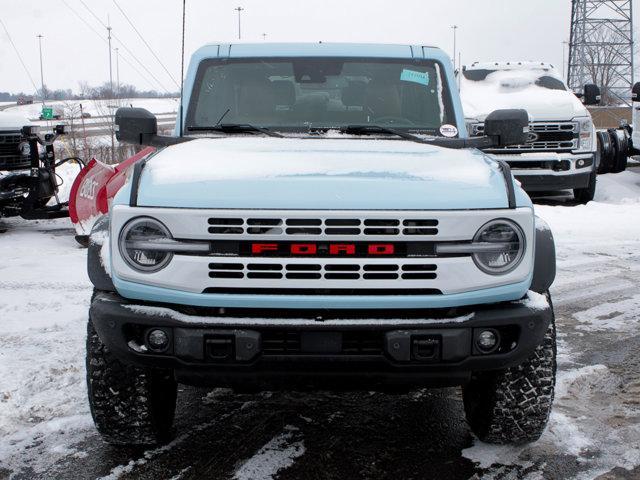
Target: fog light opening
[(488, 341), (157, 340)]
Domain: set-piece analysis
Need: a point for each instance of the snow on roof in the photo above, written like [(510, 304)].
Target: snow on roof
[(534, 86), (12, 121), (513, 65)]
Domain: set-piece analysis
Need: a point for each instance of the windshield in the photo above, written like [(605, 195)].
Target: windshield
[(306, 93)]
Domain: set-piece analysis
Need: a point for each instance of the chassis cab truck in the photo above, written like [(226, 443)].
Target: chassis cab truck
[(635, 136), (560, 152), (320, 219)]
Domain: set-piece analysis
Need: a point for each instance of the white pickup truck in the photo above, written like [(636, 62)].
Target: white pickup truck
[(561, 151)]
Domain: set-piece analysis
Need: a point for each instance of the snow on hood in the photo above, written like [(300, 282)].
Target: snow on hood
[(517, 89), (12, 121), (262, 172)]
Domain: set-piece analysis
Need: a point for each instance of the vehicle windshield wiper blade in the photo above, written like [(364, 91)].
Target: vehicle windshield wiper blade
[(234, 128), (367, 129)]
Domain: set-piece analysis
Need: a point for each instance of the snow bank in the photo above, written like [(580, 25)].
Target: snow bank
[(44, 298)]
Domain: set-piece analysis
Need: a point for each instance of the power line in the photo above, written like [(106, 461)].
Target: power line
[(147, 44), (90, 27), (126, 48), (19, 57)]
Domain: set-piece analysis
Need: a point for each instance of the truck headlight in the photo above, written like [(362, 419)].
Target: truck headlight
[(585, 129), (509, 237), (137, 234)]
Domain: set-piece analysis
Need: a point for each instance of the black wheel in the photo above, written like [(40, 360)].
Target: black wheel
[(585, 195), (604, 152), (130, 405), (621, 142), (512, 406)]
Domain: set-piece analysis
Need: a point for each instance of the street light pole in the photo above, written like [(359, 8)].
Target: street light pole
[(40, 37), (239, 10)]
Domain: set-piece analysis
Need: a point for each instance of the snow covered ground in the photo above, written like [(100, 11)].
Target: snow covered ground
[(99, 107), (595, 426)]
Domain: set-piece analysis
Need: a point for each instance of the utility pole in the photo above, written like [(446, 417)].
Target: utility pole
[(40, 37), (454, 28), (117, 74), (113, 145), (239, 10)]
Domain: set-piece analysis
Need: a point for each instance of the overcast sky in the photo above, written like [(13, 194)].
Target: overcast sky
[(73, 52)]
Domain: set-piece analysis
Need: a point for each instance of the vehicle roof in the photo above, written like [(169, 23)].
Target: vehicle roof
[(513, 65), (320, 49)]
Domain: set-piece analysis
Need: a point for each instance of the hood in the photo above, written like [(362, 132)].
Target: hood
[(479, 99), (12, 121), (319, 173)]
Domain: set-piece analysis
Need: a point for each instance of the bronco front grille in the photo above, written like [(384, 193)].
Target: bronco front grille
[(553, 136), (353, 227), (323, 271)]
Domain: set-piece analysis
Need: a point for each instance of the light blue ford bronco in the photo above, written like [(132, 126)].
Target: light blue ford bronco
[(320, 220)]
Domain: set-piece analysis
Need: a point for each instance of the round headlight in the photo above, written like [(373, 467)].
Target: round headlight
[(509, 241), (135, 235)]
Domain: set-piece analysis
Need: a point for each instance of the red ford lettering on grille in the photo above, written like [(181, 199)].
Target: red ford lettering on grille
[(258, 248), (304, 249), (323, 249), (381, 249), (342, 249)]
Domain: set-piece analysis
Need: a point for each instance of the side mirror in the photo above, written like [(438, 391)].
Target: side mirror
[(507, 127), (136, 125), (635, 93), (591, 95)]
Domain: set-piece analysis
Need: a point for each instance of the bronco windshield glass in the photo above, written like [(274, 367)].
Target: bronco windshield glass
[(308, 93)]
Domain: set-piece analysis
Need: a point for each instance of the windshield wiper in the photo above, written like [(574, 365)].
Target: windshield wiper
[(234, 128), (368, 129)]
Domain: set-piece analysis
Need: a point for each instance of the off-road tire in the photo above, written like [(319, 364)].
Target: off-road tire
[(131, 406), (512, 406), (585, 195)]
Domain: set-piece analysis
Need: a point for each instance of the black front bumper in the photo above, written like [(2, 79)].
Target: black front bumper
[(301, 349), (549, 182)]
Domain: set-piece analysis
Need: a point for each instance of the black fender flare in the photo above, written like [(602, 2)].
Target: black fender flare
[(98, 272), (544, 265)]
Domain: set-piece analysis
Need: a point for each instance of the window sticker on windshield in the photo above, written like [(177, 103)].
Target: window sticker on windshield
[(416, 77), (448, 131)]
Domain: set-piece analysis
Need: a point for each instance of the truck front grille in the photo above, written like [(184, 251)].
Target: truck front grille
[(353, 227), (10, 155), (544, 137)]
